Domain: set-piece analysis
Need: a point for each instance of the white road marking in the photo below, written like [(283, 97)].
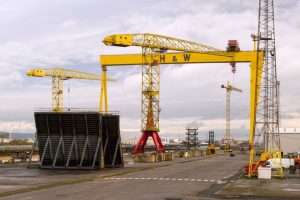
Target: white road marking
[(26, 198), (221, 182), (291, 190), (168, 179)]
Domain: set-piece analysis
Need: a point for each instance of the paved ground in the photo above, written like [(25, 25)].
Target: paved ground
[(265, 189), (196, 178), (193, 178)]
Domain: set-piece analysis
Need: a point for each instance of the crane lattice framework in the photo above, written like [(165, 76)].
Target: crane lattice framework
[(228, 139), (205, 55), (268, 106), (192, 138), (58, 76)]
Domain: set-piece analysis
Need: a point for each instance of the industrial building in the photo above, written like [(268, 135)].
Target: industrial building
[(290, 140)]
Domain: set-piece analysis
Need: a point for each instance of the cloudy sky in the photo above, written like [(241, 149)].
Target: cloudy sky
[(68, 34)]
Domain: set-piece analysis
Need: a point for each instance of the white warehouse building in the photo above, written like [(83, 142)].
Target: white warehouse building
[(290, 139)]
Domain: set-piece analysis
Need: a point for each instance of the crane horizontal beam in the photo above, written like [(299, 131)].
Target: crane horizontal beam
[(159, 42), (65, 74), (231, 88), (235, 89), (180, 58)]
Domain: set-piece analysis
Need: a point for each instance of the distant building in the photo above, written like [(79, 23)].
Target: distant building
[(7, 137), (5, 140), (22, 135), (290, 139), (131, 141), (165, 140), (171, 140)]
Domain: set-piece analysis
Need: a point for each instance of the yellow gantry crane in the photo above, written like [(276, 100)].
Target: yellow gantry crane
[(227, 139), (58, 76), (152, 45), (154, 49)]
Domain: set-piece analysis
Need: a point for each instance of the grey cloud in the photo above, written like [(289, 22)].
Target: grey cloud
[(68, 34)]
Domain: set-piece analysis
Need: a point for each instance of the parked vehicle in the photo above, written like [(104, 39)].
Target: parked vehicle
[(274, 163)]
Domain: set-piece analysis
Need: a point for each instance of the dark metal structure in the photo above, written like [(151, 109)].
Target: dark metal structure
[(192, 138), (268, 105), (211, 137), (78, 140)]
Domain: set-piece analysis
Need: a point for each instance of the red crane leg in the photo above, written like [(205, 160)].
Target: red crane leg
[(140, 147), (157, 141), (141, 144)]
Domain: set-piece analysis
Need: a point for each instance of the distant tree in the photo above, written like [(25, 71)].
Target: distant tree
[(19, 142), (4, 134)]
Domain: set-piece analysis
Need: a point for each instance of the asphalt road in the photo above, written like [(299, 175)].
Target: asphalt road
[(196, 179)]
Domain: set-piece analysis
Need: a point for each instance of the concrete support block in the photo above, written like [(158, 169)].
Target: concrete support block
[(169, 156), (145, 158), (186, 154), (160, 157)]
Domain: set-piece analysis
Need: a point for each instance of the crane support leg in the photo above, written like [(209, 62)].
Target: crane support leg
[(103, 92), (157, 141), (57, 94), (140, 147), (255, 84)]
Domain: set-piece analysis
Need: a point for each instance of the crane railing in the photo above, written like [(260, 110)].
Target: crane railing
[(65, 74), (160, 42)]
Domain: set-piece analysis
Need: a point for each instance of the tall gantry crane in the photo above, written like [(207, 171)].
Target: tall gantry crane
[(58, 76), (228, 139), (154, 53), (152, 45)]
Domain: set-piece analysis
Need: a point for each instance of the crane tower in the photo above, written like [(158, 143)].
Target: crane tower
[(227, 139), (58, 76)]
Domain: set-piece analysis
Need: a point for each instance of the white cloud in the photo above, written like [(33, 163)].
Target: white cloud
[(69, 33), (67, 24), (17, 126), (9, 75)]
